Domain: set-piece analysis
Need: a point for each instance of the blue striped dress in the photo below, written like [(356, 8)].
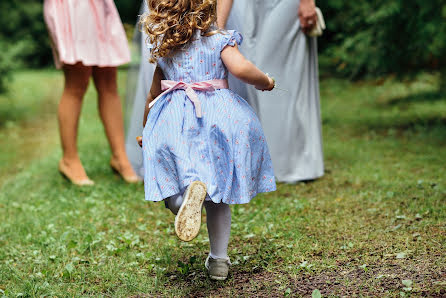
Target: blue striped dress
[(226, 148)]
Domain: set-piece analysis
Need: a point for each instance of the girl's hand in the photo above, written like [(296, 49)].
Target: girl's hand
[(139, 140), (271, 85)]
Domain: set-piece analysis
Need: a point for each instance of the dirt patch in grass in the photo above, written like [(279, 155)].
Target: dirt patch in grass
[(382, 279), (240, 283), (376, 281)]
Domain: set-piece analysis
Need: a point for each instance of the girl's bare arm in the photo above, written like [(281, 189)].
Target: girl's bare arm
[(155, 90), (244, 70)]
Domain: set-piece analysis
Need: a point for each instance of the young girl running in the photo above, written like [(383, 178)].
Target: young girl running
[(202, 143)]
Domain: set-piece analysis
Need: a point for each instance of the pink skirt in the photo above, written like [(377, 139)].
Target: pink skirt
[(87, 31)]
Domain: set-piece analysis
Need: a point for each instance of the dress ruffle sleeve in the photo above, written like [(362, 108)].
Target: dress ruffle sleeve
[(230, 38)]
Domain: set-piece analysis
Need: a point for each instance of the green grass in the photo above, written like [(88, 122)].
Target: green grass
[(31, 94), (375, 219), (27, 119)]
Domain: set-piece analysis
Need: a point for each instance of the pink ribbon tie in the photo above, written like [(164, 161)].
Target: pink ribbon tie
[(190, 88)]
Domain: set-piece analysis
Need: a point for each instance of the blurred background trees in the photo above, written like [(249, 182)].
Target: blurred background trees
[(23, 37), (363, 38), (373, 38)]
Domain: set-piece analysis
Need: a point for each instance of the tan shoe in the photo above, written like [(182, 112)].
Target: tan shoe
[(64, 171), (188, 219), (127, 178)]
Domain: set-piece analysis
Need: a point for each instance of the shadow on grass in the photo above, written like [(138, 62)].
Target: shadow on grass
[(10, 115), (428, 128), (427, 96), (427, 123), (13, 114)]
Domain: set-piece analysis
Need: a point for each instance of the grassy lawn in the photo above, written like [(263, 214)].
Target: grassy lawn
[(27, 121), (374, 225)]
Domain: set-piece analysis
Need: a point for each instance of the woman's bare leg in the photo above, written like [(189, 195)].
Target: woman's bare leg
[(110, 109), (76, 83)]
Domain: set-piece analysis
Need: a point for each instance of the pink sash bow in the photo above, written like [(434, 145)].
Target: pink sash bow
[(190, 88)]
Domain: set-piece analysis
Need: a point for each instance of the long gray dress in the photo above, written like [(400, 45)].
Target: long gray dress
[(139, 81), (274, 41)]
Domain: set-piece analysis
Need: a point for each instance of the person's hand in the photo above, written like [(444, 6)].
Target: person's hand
[(271, 85), (307, 15), (139, 140)]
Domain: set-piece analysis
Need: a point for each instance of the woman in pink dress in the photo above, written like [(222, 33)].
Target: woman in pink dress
[(88, 40)]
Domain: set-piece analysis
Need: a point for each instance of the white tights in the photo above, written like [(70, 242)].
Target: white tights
[(218, 217)]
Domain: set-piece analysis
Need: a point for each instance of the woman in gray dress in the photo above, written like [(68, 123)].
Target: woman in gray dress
[(139, 80), (274, 39)]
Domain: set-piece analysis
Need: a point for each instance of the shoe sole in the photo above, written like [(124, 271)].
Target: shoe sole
[(188, 219), (217, 277)]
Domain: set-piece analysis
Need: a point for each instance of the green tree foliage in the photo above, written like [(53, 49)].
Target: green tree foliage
[(23, 32), (128, 10), (370, 38), (23, 37)]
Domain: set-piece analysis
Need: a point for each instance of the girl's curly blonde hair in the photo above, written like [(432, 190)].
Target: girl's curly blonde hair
[(171, 24)]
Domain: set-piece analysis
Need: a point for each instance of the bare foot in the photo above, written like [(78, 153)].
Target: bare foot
[(123, 167), (74, 171)]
